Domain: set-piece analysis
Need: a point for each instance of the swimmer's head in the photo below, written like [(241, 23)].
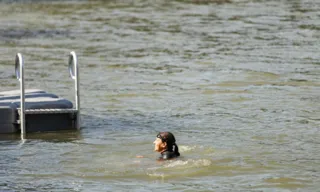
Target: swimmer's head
[(166, 141), (166, 137)]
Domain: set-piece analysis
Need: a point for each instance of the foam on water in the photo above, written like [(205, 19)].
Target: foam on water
[(189, 163), (184, 148)]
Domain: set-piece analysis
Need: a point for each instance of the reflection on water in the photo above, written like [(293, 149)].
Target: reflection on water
[(62, 136), (236, 81)]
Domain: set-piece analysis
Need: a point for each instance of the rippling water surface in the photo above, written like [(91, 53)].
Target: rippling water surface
[(236, 81)]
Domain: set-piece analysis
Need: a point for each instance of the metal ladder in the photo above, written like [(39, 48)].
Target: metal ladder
[(74, 74)]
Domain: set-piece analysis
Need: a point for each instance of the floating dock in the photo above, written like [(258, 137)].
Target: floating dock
[(35, 110)]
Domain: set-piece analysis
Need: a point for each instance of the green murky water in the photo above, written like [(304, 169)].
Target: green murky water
[(236, 81)]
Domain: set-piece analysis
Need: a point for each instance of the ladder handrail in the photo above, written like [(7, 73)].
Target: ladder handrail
[(19, 70), (74, 74)]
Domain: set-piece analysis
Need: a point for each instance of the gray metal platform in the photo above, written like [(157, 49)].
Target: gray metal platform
[(35, 110)]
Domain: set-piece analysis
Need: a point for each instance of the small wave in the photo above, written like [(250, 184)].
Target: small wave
[(205, 150), (184, 148), (156, 175), (178, 168), (189, 163), (27, 33)]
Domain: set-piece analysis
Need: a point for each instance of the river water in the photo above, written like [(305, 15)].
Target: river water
[(236, 81)]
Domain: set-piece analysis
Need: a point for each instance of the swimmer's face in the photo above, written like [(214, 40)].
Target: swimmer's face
[(159, 146)]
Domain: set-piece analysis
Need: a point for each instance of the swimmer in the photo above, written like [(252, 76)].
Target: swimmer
[(165, 144)]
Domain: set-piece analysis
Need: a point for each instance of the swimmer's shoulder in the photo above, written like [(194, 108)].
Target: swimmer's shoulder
[(167, 155)]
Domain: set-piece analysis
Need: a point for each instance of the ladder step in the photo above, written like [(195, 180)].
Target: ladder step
[(47, 111)]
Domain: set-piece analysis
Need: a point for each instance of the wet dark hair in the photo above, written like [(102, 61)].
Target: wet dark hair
[(170, 140)]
